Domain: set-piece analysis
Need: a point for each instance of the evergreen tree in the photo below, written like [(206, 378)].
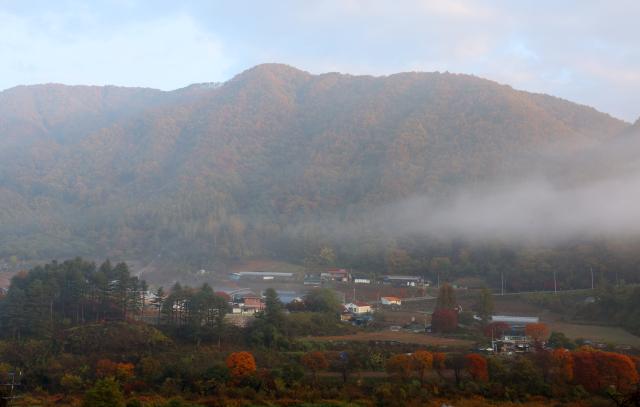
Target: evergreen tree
[(484, 305), (446, 298), (157, 301)]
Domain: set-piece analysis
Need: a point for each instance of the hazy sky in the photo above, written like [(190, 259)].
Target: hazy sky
[(582, 50)]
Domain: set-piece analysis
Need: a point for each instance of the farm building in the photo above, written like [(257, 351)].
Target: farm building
[(514, 339), (403, 281), (341, 275), (261, 275), (361, 279), (390, 301)]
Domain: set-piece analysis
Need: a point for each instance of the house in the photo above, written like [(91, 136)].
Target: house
[(247, 303), (390, 301), (361, 279), (358, 307), (340, 275), (403, 281), (253, 304)]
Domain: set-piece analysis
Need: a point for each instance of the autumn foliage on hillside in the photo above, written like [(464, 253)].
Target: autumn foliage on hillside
[(206, 174)]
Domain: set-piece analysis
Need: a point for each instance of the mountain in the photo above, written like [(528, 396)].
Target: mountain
[(219, 172)]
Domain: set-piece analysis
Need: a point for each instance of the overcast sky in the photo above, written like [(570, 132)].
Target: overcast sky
[(585, 51)]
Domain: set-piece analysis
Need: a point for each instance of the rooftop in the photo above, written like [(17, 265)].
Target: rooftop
[(514, 319), (262, 273)]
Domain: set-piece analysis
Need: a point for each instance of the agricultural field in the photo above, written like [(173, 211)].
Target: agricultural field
[(596, 333)]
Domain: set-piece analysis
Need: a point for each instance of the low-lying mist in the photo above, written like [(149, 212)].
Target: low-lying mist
[(560, 197), (536, 209)]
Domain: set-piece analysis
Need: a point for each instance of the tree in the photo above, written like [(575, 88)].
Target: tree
[(315, 361), (273, 310), (326, 257), (538, 332), (439, 362), (122, 287), (157, 301), (596, 370), (559, 340), (70, 383), (477, 367), (561, 366), (585, 369), (484, 305), (457, 362), (322, 300), (422, 361), (617, 370), (220, 307), (446, 298), (241, 364), (121, 371), (444, 320), (399, 366), (105, 393)]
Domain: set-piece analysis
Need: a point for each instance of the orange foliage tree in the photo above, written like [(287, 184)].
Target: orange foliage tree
[(241, 364), (561, 366), (399, 365), (315, 361), (538, 332), (596, 370), (585, 368), (477, 367), (617, 370), (422, 360)]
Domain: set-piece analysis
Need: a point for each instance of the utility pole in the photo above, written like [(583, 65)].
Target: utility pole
[(591, 268), (555, 284), (502, 283)]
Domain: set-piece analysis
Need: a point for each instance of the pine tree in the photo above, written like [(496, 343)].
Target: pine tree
[(158, 301), (446, 298)]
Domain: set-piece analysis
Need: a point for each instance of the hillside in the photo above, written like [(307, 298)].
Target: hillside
[(217, 173)]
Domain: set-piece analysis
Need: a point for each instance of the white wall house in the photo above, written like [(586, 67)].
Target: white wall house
[(358, 307)]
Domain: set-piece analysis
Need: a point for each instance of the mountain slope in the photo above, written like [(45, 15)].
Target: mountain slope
[(220, 172)]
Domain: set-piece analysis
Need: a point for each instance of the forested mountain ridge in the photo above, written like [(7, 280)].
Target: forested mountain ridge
[(217, 173)]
